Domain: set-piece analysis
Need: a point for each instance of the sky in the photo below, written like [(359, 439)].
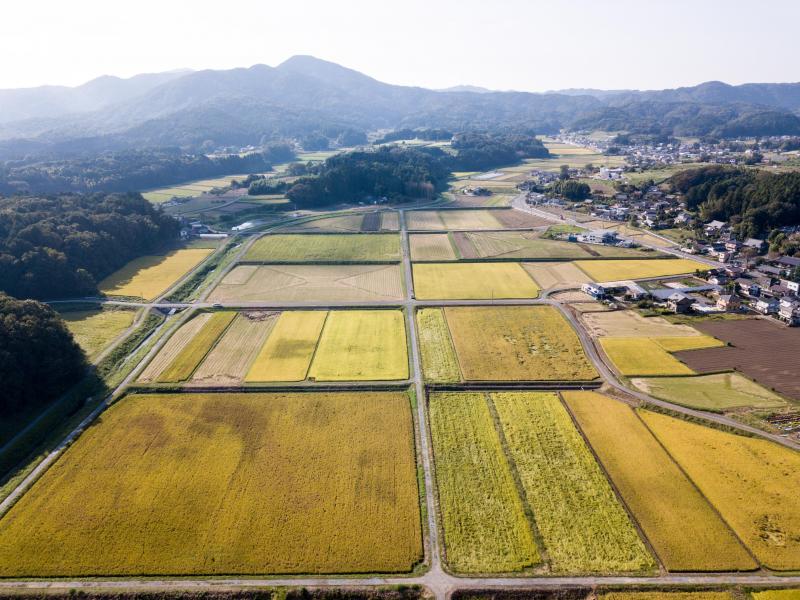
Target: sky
[(530, 45)]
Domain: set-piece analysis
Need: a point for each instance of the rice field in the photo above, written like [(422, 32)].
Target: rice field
[(678, 521), (308, 283), (715, 392), (390, 220), (697, 342), (753, 483), (226, 484), (342, 223), (777, 595), (472, 281), (95, 329), (439, 362), (423, 220), (530, 245), (230, 359), (451, 219), (517, 343), (431, 246), (661, 595), (298, 248), (190, 355), (629, 323), (193, 188), (359, 345), (555, 274), (584, 527), (287, 354), (173, 347), (485, 526), (621, 270), (642, 357), (150, 276)]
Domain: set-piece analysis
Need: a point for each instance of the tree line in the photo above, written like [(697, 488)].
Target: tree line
[(61, 246)]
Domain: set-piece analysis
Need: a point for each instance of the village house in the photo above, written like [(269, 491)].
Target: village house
[(767, 306), (728, 302), (679, 303)]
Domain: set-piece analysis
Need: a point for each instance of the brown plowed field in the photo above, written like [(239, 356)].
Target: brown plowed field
[(761, 349)]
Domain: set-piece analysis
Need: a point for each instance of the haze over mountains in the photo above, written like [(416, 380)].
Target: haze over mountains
[(305, 95)]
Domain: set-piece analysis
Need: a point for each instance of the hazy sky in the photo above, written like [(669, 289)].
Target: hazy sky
[(531, 45)]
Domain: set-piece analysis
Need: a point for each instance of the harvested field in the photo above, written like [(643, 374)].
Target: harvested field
[(173, 347), (634, 356), (307, 283), (556, 274), (517, 219), (431, 246), (464, 245), (679, 522), (150, 276), (582, 524), (485, 527), (424, 220), (344, 223), (753, 483), (439, 362), (621, 270), (390, 221), (629, 323), (361, 345), (456, 219), (298, 248), (95, 329), (371, 222), (186, 361), (660, 595), (517, 343), (224, 484), (717, 392), (290, 347), (517, 244), (676, 344), (753, 343), (468, 281), (229, 361)]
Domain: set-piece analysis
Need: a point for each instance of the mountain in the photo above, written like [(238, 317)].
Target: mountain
[(319, 102), (466, 88)]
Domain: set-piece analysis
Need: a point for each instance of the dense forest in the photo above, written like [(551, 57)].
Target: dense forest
[(481, 151), (38, 357), (753, 201), (391, 172), (132, 170), (60, 246)]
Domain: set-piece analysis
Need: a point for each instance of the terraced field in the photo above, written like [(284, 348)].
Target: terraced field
[(485, 527), (584, 527), (678, 521), (205, 484), (150, 276), (517, 343), (307, 283), (753, 483), (298, 248), (472, 281)]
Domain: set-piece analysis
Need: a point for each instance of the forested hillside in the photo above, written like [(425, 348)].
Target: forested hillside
[(755, 202), (59, 246)]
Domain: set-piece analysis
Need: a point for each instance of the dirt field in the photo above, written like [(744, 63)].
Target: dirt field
[(293, 283), (224, 484), (431, 246), (754, 343), (149, 276), (556, 274), (466, 281)]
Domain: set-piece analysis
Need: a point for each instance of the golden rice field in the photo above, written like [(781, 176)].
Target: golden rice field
[(294, 248), (777, 595), (620, 270), (753, 483), (554, 274), (186, 361), (484, 522), (150, 276), (671, 344), (307, 283), (95, 329), (230, 359), (439, 362), (472, 281), (287, 354), (715, 392), (173, 347), (659, 595), (431, 246), (247, 484), (678, 521), (584, 527), (359, 345), (517, 343), (342, 223), (642, 357)]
